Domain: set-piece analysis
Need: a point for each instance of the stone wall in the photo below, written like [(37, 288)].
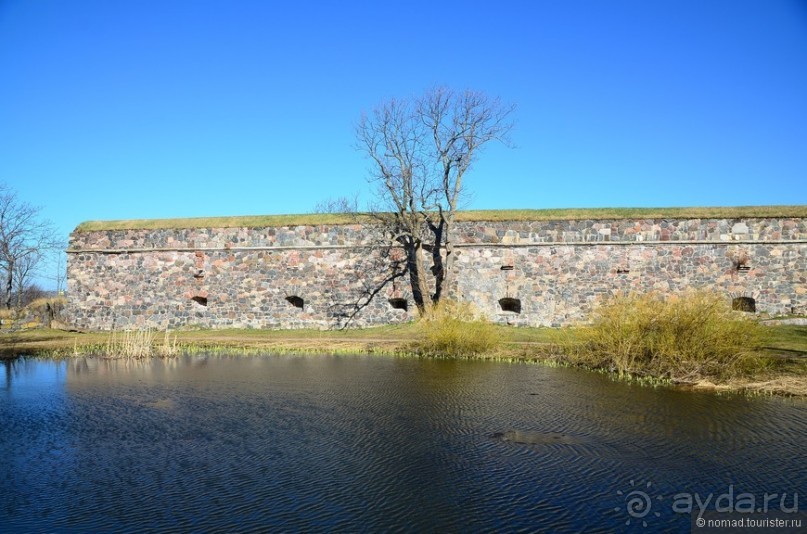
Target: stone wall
[(552, 272), (636, 230), (516, 232), (559, 284), (225, 289), (43, 313)]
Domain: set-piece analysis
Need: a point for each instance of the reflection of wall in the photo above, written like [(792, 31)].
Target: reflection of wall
[(302, 276)]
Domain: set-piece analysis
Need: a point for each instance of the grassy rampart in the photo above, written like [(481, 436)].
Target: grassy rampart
[(474, 215)]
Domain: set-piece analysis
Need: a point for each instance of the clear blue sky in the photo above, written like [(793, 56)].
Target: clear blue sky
[(172, 108)]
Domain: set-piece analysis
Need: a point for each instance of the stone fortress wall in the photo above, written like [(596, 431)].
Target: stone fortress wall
[(535, 273)]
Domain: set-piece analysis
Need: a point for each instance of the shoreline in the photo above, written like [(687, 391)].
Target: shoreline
[(518, 345)]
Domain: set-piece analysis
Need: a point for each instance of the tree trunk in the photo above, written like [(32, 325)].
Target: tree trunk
[(449, 282), (417, 276), (438, 269), (9, 284)]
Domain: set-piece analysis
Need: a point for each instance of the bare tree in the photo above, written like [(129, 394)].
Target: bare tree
[(24, 269), (421, 150), (31, 293), (60, 270), (24, 237), (346, 205)]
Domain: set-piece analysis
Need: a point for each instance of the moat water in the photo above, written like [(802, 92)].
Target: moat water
[(372, 444)]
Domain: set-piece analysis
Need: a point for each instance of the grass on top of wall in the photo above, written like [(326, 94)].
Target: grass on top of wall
[(309, 219)]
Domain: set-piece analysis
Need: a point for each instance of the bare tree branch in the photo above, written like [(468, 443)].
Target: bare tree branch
[(420, 151), (346, 205), (24, 239)]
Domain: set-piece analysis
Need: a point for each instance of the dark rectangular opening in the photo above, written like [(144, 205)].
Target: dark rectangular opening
[(744, 304), (399, 304), (510, 304), (296, 301)]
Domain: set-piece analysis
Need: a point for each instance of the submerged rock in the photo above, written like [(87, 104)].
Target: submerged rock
[(536, 437)]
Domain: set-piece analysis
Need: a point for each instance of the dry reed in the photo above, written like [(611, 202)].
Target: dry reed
[(685, 338), (135, 344)]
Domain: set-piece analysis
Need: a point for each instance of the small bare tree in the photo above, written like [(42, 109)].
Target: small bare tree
[(346, 205), (421, 150), (24, 269), (24, 237), (60, 270)]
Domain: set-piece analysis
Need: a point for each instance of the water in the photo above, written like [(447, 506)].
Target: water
[(363, 444)]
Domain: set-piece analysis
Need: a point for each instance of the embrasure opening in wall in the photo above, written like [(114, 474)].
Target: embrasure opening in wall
[(745, 304), (742, 263), (509, 304), (507, 267), (399, 304), (295, 301), (202, 301)]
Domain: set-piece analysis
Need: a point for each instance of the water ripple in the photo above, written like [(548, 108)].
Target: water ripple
[(359, 444)]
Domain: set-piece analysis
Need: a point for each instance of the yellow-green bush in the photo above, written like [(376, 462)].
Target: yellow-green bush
[(686, 337), (452, 329)]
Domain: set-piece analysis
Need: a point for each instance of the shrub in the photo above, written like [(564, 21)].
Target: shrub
[(452, 329), (685, 338)]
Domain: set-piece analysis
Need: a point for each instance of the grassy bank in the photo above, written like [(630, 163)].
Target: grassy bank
[(383, 339), (783, 354)]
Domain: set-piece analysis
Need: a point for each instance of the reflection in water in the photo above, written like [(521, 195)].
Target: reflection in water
[(360, 443), (536, 438)]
